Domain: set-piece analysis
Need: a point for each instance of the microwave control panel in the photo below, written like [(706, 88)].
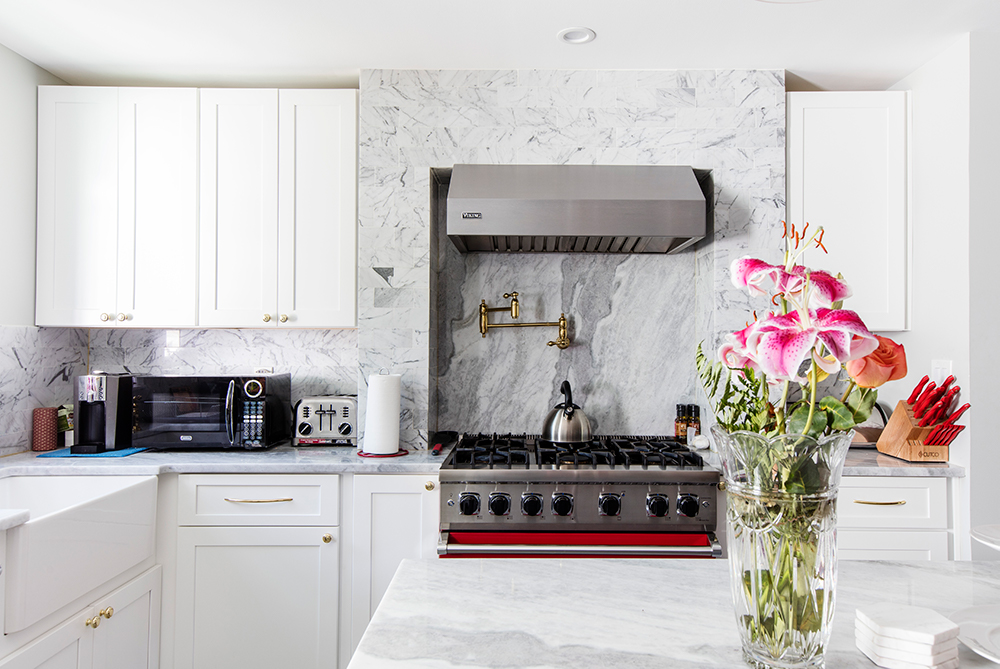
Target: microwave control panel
[(252, 430)]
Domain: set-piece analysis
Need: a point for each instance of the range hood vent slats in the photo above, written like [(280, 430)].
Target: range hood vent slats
[(577, 208)]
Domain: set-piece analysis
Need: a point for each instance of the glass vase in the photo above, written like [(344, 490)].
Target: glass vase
[(782, 539)]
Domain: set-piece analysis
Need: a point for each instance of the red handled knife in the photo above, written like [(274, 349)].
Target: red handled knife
[(955, 416), (916, 391), (921, 405), (946, 403), (954, 433)]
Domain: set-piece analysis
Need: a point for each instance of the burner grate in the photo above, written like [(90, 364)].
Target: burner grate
[(511, 451)]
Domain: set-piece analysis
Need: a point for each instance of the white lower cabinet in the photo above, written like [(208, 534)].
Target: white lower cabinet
[(395, 517), (262, 596), (119, 631), (893, 518)]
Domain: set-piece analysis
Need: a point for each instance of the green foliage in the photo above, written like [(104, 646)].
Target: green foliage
[(839, 417), (738, 398), (860, 402)]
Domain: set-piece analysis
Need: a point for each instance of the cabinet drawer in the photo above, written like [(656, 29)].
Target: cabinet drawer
[(258, 499), (901, 545), (886, 502)]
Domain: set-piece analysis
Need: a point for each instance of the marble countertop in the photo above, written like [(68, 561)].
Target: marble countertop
[(278, 460), (869, 462), (345, 460), (566, 613)]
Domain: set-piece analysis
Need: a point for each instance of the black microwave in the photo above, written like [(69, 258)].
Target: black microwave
[(210, 412)]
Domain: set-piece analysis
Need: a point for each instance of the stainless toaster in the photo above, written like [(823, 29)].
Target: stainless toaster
[(328, 419)]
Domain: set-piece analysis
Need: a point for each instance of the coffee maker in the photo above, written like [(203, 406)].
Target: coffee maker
[(102, 413)]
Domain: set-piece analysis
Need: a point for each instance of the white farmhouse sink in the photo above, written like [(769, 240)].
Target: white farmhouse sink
[(82, 532)]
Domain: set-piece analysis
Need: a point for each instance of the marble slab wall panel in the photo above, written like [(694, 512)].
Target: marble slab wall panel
[(635, 320), (321, 362), (37, 366)]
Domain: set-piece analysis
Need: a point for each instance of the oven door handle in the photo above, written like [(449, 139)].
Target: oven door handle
[(230, 418), (714, 549)]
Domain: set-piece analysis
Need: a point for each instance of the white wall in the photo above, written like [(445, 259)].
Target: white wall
[(984, 318), (19, 79), (940, 94)]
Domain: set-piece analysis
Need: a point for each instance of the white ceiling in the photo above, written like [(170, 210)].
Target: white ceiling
[(829, 44)]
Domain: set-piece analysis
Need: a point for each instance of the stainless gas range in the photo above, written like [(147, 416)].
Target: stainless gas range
[(519, 495)]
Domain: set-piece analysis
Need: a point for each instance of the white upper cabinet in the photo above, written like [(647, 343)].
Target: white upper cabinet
[(848, 172), (278, 208), (117, 207), (76, 268), (317, 207), (239, 207), (158, 207)]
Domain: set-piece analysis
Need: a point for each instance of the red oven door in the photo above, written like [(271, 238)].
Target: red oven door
[(480, 544)]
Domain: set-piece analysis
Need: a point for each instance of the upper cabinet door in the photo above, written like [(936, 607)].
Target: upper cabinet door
[(317, 208), (76, 266), (158, 207), (239, 208), (847, 171)]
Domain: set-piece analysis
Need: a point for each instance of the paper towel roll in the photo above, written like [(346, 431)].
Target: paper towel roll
[(382, 414)]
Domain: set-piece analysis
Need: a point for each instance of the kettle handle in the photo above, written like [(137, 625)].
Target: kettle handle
[(568, 394)]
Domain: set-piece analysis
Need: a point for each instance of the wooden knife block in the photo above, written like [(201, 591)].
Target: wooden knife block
[(904, 438)]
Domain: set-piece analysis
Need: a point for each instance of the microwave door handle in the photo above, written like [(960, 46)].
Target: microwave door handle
[(230, 423)]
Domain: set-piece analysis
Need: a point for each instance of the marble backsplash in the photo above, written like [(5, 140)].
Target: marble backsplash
[(321, 362), (37, 366), (634, 320)]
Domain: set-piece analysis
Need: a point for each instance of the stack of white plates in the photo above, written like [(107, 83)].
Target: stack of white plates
[(906, 637)]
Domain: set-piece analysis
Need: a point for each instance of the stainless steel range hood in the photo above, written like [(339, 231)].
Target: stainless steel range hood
[(577, 208)]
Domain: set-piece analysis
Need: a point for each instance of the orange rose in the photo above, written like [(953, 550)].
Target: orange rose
[(886, 363)]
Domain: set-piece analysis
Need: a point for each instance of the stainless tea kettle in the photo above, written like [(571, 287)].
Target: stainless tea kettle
[(566, 423)]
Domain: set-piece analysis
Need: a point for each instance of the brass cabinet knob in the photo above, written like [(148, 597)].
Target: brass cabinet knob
[(267, 318), (92, 622), (105, 317), (327, 538), (429, 485), (124, 317), (283, 318), (108, 612)]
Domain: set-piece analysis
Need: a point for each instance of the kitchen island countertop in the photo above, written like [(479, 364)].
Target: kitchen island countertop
[(571, 613)]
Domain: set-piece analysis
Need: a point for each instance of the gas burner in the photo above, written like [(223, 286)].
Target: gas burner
[(605, 452), (481, 452)]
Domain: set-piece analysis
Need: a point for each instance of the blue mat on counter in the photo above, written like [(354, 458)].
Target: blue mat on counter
[(121, 453)]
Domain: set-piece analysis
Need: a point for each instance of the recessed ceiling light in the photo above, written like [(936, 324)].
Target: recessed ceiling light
[(577, 35)]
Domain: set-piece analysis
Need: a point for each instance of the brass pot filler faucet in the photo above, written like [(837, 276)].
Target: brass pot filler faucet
[(562, 341)]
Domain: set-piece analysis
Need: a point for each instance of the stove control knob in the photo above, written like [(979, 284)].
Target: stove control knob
[(687, 505), (609, 504), (656, 506), (305, 428), (468, 504), (562, 503), (531, 504), (499, 503)]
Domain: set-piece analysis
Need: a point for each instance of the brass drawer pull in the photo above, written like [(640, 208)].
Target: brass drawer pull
[(897, 503), (258, 501)]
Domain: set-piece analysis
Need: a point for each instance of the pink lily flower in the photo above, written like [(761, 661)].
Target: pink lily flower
[(825, 289), (734, 353), (750, 273), (780, 343)]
